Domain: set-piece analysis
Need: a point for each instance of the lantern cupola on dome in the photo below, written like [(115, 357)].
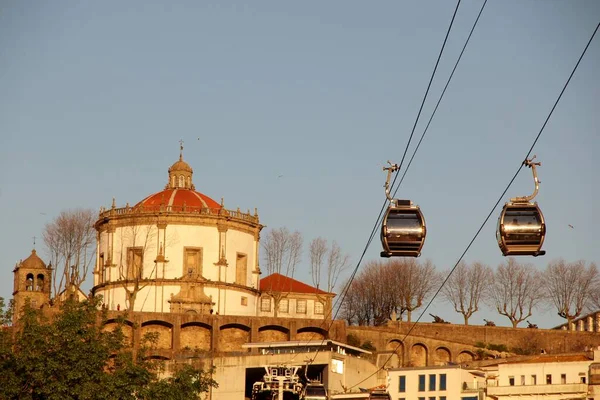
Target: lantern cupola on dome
[(180, 173)]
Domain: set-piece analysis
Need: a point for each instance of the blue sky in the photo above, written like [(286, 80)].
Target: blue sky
[(94, 97)]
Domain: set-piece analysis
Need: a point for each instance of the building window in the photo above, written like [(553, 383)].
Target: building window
[(265, 304), (563, 378), (431, 397), (402, 384), (101, 268), (582, 379), (300, 306), (192, 262), (244, 301), (442, 381), (135, 262), (337, 366), (432, 382), (181, 181), (241, 268), (548, 379), (284, 305), (534, 379), (421, 398), (319, 308), (421, 383), (522, 380), (511, 380), (442, 397)]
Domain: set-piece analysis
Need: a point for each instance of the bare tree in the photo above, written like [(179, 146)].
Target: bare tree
[(385, 288), (328, 261), (350, 306), (135, 241), (466, 286), (317, 250), (70, 240), (366, 302), (417, 283), (570, 286), (282, 253), (516, 290)]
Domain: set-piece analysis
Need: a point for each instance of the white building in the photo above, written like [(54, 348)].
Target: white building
[(448, 382), (178, 250), (284, 297), (548, 377)]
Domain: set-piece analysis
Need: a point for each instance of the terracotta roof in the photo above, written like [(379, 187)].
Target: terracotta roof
[(33, 261), (281, 283), (176, 198)]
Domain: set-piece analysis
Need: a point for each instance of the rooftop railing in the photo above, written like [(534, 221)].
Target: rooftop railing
[(183, 210)]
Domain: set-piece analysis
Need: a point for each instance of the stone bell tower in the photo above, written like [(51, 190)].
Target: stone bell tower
[(32, 283)]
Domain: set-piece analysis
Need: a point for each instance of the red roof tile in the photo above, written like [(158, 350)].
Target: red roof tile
[(177, 198), (281, 283)]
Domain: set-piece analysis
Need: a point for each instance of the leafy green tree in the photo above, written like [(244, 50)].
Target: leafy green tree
[(69, 356)]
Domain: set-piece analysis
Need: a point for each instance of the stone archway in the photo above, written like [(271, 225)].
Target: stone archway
[(418, 355), (465, 356), (195, 336), (397, 348), (273, 333), (233, 336), (441, 356)]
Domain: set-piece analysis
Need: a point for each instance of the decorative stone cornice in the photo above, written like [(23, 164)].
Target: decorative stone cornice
[(174, 282), (222, 219)]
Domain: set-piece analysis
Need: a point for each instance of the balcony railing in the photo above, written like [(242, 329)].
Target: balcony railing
[(473, 386), (186, 210), (569, 388)]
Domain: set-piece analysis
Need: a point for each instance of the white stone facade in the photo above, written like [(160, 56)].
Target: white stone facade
[(178, 251)]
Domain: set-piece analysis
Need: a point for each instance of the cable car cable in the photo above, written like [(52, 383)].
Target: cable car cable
[(441, 97), (493, 209), (397, 241), (377, 222), (412, 132)]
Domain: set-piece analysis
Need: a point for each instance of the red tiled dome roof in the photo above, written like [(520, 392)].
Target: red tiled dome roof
[(177, 198)]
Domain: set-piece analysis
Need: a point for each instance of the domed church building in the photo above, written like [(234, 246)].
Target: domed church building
[(179, 251)]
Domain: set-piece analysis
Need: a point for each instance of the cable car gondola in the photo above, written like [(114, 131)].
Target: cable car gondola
[(521, 227), (403, 228), (314, 391)]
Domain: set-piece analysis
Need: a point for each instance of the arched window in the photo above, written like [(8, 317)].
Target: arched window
[(29, 283), (189, 182), (180, 180), (39, 283), (173, 181)]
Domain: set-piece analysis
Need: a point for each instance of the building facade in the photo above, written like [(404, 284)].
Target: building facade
[(448, 382), (284, 297), (178, 250), (548, 377)]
